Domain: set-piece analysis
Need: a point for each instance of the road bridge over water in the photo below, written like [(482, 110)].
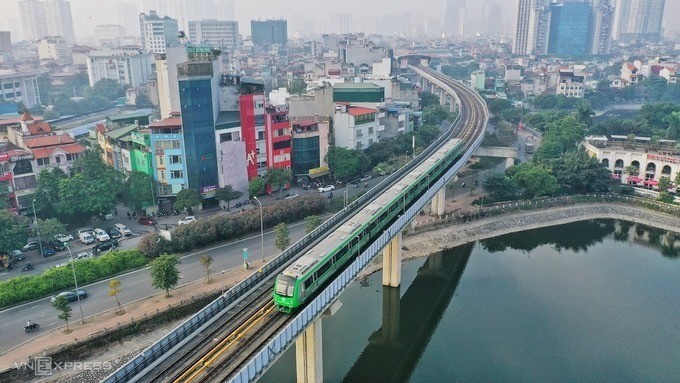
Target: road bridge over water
[(239, 335)]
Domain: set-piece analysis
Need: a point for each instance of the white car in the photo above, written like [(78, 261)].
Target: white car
[(186, 220), (292, 196), (64, 237), (123, 229), (84, 255), (101, 235), (328, 188)]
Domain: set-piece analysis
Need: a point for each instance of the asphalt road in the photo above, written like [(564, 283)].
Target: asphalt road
[(137, 284)]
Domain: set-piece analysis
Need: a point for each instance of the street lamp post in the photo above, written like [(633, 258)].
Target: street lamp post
[(153, 194), (261, 229), (75, 280), (346, 193), (37, 229)]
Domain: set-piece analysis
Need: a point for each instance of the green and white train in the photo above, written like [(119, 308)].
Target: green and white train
[(310, 272)]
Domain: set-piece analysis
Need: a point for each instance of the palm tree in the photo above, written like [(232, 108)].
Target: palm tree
[(673, 132), (583, 114), (631, 141), (632, 170)]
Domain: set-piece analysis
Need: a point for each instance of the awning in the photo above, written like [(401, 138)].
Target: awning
[(651, 182), (319, 174), (634, 179), (616, 176)]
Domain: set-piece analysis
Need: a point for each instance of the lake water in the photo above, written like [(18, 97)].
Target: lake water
[(590, 301)]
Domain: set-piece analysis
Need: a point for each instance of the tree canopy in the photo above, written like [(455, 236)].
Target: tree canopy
[(534, 179), (187, 198), (347, 163), (139, 190), (164, 272), (501, 187), (227, 194), (277, 178), (13, 231)]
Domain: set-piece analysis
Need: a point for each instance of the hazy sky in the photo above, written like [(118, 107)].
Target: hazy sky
[(88, 13)]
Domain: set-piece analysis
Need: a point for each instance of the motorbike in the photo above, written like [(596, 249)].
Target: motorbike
[(175, 212), (27, 267), (32, 327), (330, 195)]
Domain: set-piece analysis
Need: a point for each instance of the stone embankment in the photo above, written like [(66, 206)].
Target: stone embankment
[(424, 243)]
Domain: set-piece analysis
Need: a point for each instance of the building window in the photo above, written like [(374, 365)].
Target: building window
[(43, 161), (260, 135), (175, 159), (58, 159), (370, 130), (175, 174), (68, 157)]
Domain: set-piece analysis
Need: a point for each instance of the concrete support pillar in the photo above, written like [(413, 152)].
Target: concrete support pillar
[(442, 98), (392, 262), (509, 162), (391, 313), (308, 355), (439, 202), (452, 106)]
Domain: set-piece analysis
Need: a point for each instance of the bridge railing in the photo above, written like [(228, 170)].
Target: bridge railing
[(267, 355), (158, 351)]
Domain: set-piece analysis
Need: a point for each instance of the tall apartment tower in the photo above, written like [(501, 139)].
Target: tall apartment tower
[(454, 22), (638, 20), (219, 33), (59, 20), (32, 13), (532, 27), (269, 32), (601, 24), (158, 33)]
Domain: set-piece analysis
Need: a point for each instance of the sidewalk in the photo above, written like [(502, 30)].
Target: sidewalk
[(56, 338)]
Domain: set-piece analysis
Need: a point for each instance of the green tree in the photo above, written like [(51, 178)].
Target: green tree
[(64, 310), (673, 131), (186, 199), (13, 231), (498, 105), (206, 262), (282, 236), (583, 114), (227, 194), (107, 89), (346, 163), (534, 179), (256, 186), (297, 86), (114, 290), (428, 99), (434, 115), (50, 227), (311, 223), (152, 245), (277, 178), (164, 273), (666, 197), (142, 101), (581, 172), (664, 184), (137, 191), (77, 84), (500, 187), (47, 193), (45, 88), (632, 170)]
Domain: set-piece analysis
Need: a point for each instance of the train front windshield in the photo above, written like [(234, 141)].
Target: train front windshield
[(285, 286)]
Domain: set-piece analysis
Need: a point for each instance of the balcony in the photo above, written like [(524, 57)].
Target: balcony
[(201, 68)]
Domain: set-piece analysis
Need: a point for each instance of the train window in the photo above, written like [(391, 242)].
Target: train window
[(285, 285), (308, 282), (383, 216), (322, 270)]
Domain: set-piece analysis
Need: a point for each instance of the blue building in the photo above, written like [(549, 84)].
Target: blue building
[(169, 161), (569, 28), (199, 107)]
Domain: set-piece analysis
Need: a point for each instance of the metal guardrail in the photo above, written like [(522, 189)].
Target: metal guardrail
[(178, 336), (285, 338)]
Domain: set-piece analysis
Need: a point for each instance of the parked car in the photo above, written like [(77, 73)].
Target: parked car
[(57, 245), (327, 188), (147, 221), (113, 233), (354, 183), (86, 238), (17, 255), (100, 235), (186, 220), (31, 245), (70, 295), (292, 196), (63, 237), (365, 178), (86, 229), (48, 251), (123, 229), (83, 255), (111, 244)]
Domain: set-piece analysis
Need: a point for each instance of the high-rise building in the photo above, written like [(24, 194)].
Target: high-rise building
[(158, 33), (6, 46), (47, 18), (601, 20), (218, 33), (128, 67), (32, 13), (454, 20), (532, 27), (59, 20), (492, 18), (569, 26), (127, 15), (638, 20), (269, 32)]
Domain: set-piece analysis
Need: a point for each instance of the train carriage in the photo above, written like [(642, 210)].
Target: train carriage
[(306, 275)]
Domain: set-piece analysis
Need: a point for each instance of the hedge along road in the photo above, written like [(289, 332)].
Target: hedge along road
[(135, 285)]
